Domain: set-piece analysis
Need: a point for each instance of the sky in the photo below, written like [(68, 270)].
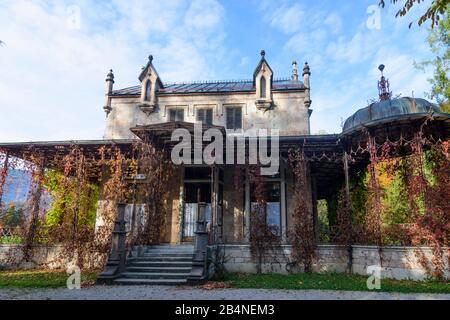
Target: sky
[(57, 54)]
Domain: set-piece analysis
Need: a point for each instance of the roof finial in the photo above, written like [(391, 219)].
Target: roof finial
[(150, 58), (306, 69), (294, 71), (263, 53), (110, 76), (383, 85)]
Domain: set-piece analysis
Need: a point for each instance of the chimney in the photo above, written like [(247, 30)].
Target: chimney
[(294, 71), (109, 89)]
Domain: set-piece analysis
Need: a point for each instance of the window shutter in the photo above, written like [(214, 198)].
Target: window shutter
[(230, 118), (237, 118), (201, 115), (180, 115), (172, 115), (208, 116), (176, 115)]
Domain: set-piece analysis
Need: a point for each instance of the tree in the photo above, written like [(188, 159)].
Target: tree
[(12, 217), (439, 42), (434, 12)]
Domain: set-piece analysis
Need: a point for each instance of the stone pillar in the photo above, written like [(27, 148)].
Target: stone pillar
[(199, 261), (306, 75), (117, 256), (294, 71), (109, 88)]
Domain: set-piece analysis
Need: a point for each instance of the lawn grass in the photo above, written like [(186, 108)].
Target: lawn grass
[(331, 281), (40, 279)]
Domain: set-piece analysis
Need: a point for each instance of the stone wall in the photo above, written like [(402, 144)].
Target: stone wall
[(52, 257), (398, 262)]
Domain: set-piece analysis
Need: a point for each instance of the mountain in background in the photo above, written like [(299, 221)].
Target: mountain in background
[(16, 188)]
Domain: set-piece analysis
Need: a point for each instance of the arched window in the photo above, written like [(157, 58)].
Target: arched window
[(148, 91), (263, 87)]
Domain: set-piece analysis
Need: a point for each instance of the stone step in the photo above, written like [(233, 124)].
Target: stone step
[(160, 264), (169, 254), (163, 258), (169, 250), (152, 275), (160, 270), (131, 281), (171, 247)]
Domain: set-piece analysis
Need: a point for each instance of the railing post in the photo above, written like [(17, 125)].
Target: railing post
[(117, 256), (199, 260)]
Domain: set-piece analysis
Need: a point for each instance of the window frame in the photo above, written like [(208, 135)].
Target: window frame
[(176, 110), (241, 125), (205, 110)]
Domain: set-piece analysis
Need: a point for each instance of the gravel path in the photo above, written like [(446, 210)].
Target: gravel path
[(189, 293)]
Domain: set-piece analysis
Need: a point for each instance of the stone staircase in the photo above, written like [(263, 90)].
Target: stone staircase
[(158, 265)]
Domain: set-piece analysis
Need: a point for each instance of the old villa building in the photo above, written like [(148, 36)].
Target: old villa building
[(260, 103), (208, 206)]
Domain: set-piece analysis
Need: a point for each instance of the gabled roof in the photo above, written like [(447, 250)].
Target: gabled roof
[(145, 71), (213, 87), (259, 66)]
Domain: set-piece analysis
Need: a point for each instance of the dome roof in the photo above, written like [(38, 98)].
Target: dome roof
[(388, 109)]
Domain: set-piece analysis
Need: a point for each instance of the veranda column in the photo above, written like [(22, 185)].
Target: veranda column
[(314, 207), (247, 207), (37, 177), (284, 228), (349, 213)]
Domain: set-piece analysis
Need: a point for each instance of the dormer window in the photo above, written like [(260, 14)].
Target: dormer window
[(148, 91), (263, 87), (262, 81), (150, 84)]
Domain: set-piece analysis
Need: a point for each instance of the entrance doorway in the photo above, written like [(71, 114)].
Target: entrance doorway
[(197, 189), (195, 193)]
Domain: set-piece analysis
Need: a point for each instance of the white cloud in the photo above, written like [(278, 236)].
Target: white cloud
[(334, 22), (244, 61), (52, 84), (204, 15), (287, 19)]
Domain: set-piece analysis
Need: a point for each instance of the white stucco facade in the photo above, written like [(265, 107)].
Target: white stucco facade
[(284, 106)]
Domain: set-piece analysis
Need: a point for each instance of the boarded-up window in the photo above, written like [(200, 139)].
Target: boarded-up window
[(234, 118), (205, 116), (176, 115)]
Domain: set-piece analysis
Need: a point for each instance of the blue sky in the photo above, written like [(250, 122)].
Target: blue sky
[(58, 53)]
